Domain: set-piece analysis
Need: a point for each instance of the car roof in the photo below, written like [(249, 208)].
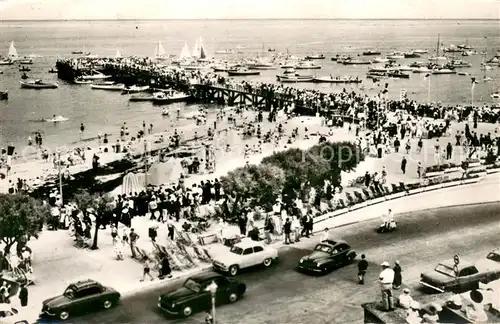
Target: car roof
[(463, 263), (332, 242), (83, 284), (248, 244), (205, 276)]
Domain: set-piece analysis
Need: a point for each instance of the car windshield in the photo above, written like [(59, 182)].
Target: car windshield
[(323, 248), (441, 268), (192, 285), (236, 250), (493, 256), (70, 293)]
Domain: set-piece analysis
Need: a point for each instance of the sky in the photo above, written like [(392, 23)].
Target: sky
[(248, 9)]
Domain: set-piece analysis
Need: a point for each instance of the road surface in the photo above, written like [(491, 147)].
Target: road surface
[(282, 295)]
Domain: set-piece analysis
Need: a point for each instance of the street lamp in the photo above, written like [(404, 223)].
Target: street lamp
[(60, 175), (212, 288)]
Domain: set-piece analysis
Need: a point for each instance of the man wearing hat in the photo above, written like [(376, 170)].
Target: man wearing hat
[(413, 315), (386, 279)]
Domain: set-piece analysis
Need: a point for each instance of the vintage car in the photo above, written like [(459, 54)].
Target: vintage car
[(327, 256), (244, 255), (79, 298), (450, 275), (9, 315), (195, 295)]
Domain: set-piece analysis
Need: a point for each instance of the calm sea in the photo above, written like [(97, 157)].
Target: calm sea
[(102, 111)]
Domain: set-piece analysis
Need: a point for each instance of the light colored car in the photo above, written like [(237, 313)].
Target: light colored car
[(244, 255), (9, 315)]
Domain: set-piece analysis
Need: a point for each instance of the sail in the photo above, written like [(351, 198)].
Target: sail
[(12, 51), (196, 49), (118, 54), (203, 55), (160, 51), (185, 52)]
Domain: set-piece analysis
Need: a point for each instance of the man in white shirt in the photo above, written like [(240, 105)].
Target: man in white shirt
[(405, 299), (386, 278), (326, 235)]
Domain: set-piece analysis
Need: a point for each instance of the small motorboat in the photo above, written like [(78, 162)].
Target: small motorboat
[(443, 71), (356, 62), (81, 81), (262, 66), (52, 70), (331, 79), (271, 50), (315, 57), (24, 69), (134, 89), (381, 60), (371, 53), (141, 97), (307, 65), (4, 95), (38, 84), (95, 75), (495, 95), (4, 61), (395, 56), (463, 73), (165, 111), (295, 78), (25, 61), (398, 74), (459, 63), (242, 72), (77, 52), (165, 98), (378, 70), (411, 55), (107, 86)]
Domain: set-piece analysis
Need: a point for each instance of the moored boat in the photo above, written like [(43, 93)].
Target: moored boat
[(422, 69), (356, 62), (107, 86), (368, 53), (421, 51), (95, 75), (38, 84), (463, 73), (395, 56), (331, 79), (262, 66), (165, 98), (443, 71), (134, 89), (495, 95), (4, 61), (315, 57), (398, 74), (4, 95), (381, 60), (411, 55), (459, 63), (53, 70), (294, 79), (307, 65), (81, 81), (242, 72)]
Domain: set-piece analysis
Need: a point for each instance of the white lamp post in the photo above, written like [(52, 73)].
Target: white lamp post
[(212, 288), (60, 175)]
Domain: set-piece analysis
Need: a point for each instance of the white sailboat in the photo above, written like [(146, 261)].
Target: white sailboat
[(13, 52), (437, 57), (118, 54), (185, 52), (160, 52), (196, 49)]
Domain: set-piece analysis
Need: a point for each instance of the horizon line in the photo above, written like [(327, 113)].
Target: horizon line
[(243, 19)]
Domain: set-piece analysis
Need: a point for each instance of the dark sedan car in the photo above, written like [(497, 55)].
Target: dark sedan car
[(327, 256), (194, 295), (79, 298)]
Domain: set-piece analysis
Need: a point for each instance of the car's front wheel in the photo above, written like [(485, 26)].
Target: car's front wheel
[(187, 311), (233, 270), (267, 262), (63, 315), (107, 304)]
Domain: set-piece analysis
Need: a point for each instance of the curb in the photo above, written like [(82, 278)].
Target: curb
[(157, 283)]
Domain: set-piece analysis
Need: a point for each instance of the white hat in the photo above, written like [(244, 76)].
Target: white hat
[(385, 264)]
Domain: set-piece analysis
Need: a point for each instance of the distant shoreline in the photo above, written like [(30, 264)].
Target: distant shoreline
[(257, 19)]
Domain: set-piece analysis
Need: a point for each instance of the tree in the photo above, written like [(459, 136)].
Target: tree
[(254, 185), (21, 216), (100, 204)]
